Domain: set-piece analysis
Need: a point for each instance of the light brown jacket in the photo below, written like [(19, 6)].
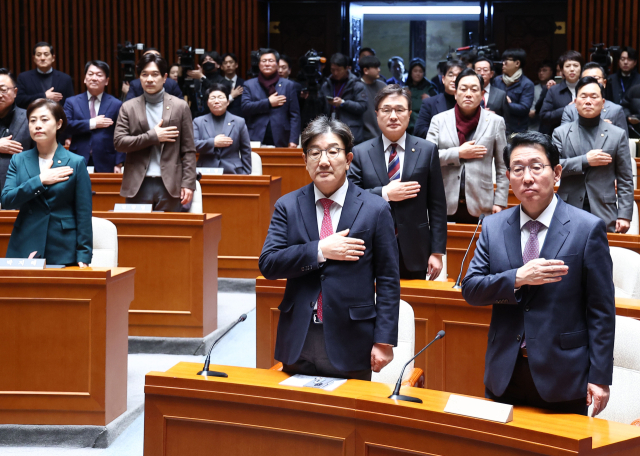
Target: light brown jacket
[(134, 136)]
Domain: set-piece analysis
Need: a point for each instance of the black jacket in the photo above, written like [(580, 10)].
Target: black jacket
[(614, 91), (555, 100), (30, 87), (354, 94)]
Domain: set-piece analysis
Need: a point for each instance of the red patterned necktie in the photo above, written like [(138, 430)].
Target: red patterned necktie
[(531, 251), (325, 231), (393, 168)]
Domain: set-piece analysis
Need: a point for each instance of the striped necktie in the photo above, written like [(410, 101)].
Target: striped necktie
[(393, 168)]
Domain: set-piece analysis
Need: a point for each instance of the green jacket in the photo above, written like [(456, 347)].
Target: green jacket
[(54, 220)]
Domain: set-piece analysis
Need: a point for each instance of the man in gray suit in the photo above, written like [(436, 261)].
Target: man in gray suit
[(594, 155), (470, 141), (14, 128), (494, 99), (611, 112)]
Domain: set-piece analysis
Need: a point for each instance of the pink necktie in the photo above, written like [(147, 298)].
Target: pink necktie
[(531, 251), (92, 106), (325, 231)]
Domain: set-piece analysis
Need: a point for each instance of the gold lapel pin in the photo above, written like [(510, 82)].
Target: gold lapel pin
[(167, 108), (59, 161), (229, 123), (601, 134), (413, 150)]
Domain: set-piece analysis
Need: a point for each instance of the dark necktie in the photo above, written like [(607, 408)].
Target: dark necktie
[(393, 168)]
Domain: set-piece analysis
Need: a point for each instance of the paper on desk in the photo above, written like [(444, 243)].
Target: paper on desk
[(309, 381)]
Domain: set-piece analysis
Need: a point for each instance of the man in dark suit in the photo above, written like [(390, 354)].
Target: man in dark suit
[(405, 171), (545, 268), (44, 81), (270, 105), (229, 69), (440, 103), (170, 86), (14, 128), (626, 77), (335, 245), (494, 99), (91, 120)]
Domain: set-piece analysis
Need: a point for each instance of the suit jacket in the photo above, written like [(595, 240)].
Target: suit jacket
[(421, 221), (257, 111), (614, 90), (569, 325), (555, 100), (610, 111), (356, 103), (521, 95), (353, 318), (54, 220), (498, 103), (430, 107), (30, 87), (134, 136), (170, 86), (98, 141), (235, 159), (478, 187), (597, 182), (235, 107), (19, 131)]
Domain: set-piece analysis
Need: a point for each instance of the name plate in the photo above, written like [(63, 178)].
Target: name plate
[(477, 408), (22, 263), (255, 144), (133, 208), (91, 169), (210, 171)]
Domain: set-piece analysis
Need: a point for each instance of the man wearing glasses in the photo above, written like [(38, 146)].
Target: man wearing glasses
[(546, 269), (405, 171), (270, 105), (519, 89)]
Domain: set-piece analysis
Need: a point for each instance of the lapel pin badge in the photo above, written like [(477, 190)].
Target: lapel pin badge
[(167, 108), (413, 150), (59, 161), (229, 123), (601, 134)]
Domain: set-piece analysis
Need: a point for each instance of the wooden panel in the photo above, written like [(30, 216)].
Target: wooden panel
[(81, 31), (286, 163), (79, 318)]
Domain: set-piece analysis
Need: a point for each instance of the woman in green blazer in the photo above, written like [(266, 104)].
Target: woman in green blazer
[(51, 188)]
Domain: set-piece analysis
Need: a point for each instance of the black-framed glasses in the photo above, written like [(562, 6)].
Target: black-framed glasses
[(315, 153), (534, 168)]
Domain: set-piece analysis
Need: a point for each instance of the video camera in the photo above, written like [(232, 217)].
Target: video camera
[(604, 56), (311, 68), (187, 56), (126, 55), (254, 67)]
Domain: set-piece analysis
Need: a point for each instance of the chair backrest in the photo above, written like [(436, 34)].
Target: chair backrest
[(634, 227), (634, 171), (624, 401), (196, 203), (105, 244), (256, 164), (626, 272), (633, 148), (403, 352)]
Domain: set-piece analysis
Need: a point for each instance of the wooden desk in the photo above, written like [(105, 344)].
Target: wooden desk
[(454, 364), (246, 204), (287, 163), (175, 256), (63, 345), (107, 191), (249, 413)]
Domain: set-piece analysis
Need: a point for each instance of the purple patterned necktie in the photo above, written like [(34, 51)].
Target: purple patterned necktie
[(92, 106), (531, 251)]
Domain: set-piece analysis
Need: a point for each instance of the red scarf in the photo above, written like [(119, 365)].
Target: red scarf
[(465, 126), (269, 84)]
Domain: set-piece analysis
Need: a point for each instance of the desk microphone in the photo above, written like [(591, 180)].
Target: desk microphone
[(396, 392), (205, 370), (457, 285)]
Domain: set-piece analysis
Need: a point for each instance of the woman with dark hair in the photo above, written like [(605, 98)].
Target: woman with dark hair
[(420, 88), (51, 188), (560, 95)]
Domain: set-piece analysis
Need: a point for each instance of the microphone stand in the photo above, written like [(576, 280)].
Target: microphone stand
[(205, 372), (396, 391), (457, 286)]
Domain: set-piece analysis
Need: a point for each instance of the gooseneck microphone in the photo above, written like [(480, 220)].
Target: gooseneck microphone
[(459, 279), (205, 370), (396, 392)]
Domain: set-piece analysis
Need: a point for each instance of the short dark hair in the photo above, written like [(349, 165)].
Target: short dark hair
[(323, 124), (454, 63), (367, 49), (469, 72), (264, 51), (369, 61), (152, 58), (531, 138), (217, 87), (631, 52), (230, 54), (340, 60), (546, 63), (392, 89), (214, 56), (100, 64), (515, 54), (483, 59), (592, 66), (43, 44), (11, 76), (586, 81), (286, 58), (54, 108), (147, 49), (570, 55)]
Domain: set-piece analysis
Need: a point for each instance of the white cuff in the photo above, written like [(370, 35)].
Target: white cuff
[(321, 258), (384, 194), (92, 124), (230, 98)]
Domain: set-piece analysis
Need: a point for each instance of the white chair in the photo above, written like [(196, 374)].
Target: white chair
[(634, 228), (633, 148), (634, 170), (624, 401), (105, 244), (626, 272), (256, 164), (196, 203)]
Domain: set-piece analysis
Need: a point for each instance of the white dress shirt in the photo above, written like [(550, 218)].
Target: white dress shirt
[(92, 122), (386, 143), (487, 89), (233, 82), (334, 211), (544, 218), (44, 164)]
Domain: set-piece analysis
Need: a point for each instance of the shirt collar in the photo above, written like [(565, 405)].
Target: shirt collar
[(337, 197), (233, 79), (487, 88), (386, 142), (99, 97), (544, 218), (48, 72)]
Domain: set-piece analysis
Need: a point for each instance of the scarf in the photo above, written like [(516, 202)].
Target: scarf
[(508, 80), (269, 84), (465, 126)]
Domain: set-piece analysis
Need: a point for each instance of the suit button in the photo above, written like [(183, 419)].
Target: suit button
[(322, 277), (580, 198), (526, 309), (518, 338)]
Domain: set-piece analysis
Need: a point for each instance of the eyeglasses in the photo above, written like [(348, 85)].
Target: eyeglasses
[(388, 111), (535, 168), (314, 154), (5, 90)]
